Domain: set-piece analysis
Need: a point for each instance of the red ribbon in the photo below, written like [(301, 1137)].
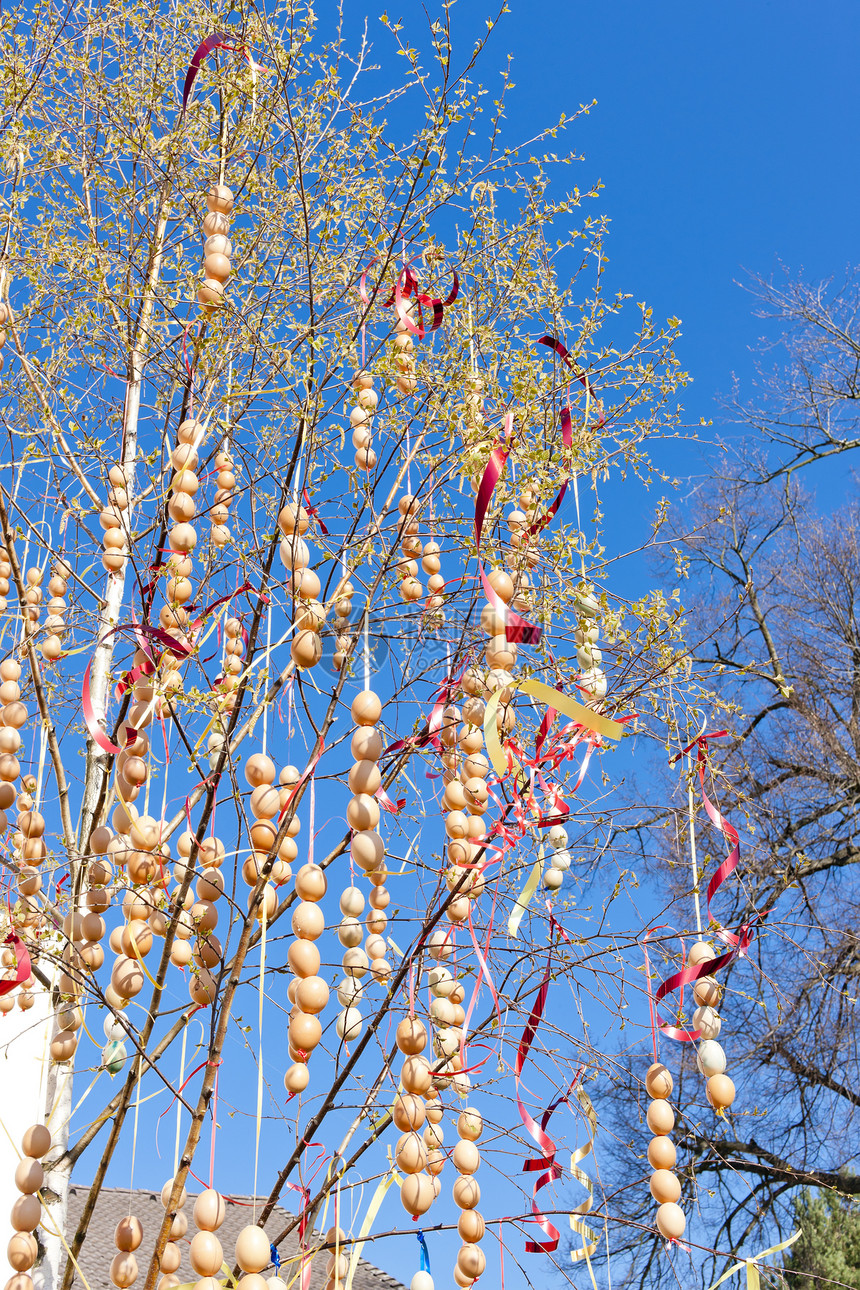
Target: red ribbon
[(564, 355), (517, 629), (546, 1161), (313, 512), (24, 968), (218, 40), (410, 284)]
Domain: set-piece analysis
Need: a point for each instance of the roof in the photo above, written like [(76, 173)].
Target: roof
[(114, 1203)]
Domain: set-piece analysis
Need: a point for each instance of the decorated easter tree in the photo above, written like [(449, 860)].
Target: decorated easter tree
[(314, 682)]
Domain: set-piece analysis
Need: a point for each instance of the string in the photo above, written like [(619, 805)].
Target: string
[(134, 1140), (263, 922), (179, 1101), (367, 646), (693, 861)]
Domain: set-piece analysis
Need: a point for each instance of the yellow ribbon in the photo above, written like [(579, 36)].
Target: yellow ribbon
[(590, 1239), (504, 762), (752, 1263), (525, 896), (372, 1210)]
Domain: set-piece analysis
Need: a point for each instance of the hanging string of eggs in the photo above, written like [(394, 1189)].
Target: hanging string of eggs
[(308, 612), (710, 1056), (51, 645), (171, 1255), (23, 1250), (466, 1158), (361, 420), (665, 1186), (217, 247)]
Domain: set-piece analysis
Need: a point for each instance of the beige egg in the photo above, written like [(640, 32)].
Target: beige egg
[(471, 1260), (312, 994), (671, 1221), (36, 1141), (367, 850), (664, 1186), (415, 1075), (364, 777), (29, 1175), (206, 1254), (466, 1157), (658, 1081), (662, 1153), (303, 958), (660, 1117), (311, 883), (252, 1249), (21, 1251), (410, 1153), (123, 1270), (167, 1192), (700, 952), (259, 769), (26, 1213), (308, 921), (296, 1078), (466, 1192), (305, 1032), (706, 991), (362, 812), (128, 1234), (721, 1091), (366, 744), (171, 1258), (352, 902), (366, 708), (470, 1124), (471, 1226), (408, 1112), (417, 1194), (411, 1036), (210, 1211)]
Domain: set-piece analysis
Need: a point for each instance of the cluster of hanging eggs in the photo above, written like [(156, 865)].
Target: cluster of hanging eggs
[(559, 858), (171, 1255), (308, 992), (13, 715), (114, 520), (27, 841), (411, 549), (342, 610), (5, 575), (217, 247), (665, 1186), (205, 1252), (51, 645), (465, 797), (404, 358), (226, 685), (361, 420), (409, 1113), (466, 1158), (367, 849), (591, 679), (22, 1250), (447, 1014), (225, 492), (710, 1056), (308, 612)]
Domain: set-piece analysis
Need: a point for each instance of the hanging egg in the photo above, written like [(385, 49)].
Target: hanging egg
[(671, 1221), (470, 1124), (366, 708), (411, 1036), (710, 1058), (128, 1234), (410, 1153), (466, 1157), (662, 1153), (664, 1186), (408, 1112), (471, 1261), (205, 1254), (707, 1022), (252, 1249), (660, 1117), (417, 1193), (209, 1212), (348, 1025), (466, 1193), (123, 1270), (721, 1091), (421, 1281), (658, 1081), (296, 1078), (36, 1141)]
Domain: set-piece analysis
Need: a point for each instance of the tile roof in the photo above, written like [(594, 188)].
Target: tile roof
[(114, 1203)]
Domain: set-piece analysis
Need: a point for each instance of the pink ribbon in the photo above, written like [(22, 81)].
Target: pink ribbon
[(24, 968)]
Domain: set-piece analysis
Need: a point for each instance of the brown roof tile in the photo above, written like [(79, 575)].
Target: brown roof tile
[(114, 1203)]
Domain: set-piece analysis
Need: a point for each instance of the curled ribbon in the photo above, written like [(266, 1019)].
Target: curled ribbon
[(218, 40), (590, 1239), (751, 1264), (410, 284), (564, 354)]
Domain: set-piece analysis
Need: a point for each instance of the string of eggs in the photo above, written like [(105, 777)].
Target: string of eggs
[(5, 575), (367, 849), (5, 316), (22, 1250), (665, 1186), (308, 612), (171, 1255), (225, 481), (205, 1252), (466, 1158), (710, 1055), (114, 520), (361, 420), (226, 686), (342, 610), (217, 247), (411, 548), (51, 645)]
